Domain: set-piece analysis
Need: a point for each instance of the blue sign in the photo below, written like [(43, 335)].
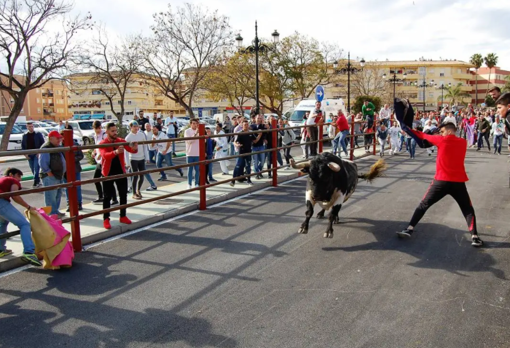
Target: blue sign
[(319, 93)]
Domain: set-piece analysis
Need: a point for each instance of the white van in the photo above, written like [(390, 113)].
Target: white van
[(327, 106)]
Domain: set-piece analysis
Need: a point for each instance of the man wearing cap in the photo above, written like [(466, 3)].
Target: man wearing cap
[(32, 140), (53, 168), (450, 179)]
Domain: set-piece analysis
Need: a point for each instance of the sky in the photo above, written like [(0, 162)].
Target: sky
[(372, 29)]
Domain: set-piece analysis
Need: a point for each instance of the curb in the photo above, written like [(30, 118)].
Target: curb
[(14, 261), (83, 169), (12, 160)]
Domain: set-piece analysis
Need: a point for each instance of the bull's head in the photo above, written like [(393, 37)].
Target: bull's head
[(322, 179)]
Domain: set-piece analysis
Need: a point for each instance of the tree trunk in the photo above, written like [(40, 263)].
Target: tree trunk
[(15, 111), (188, 109)]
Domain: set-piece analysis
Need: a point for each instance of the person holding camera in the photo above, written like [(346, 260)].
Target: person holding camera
[(313, 120)]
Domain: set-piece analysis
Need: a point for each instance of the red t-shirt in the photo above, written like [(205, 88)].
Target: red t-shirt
[(451, 152), (6, 183), (342, 123)]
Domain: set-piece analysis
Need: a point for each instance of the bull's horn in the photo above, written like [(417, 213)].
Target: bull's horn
[(300, 165), (334, 166)]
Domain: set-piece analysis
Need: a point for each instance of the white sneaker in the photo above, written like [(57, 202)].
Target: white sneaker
[(189, 187)]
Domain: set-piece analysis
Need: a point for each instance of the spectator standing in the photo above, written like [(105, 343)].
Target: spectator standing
[(192, 152), (259, 145), (164, 153), (368, 115), (305, 136), (343, 131), (382, 135), (495, 92), (498, 129), (314, 120), (210, 144), (99, 136), (137, 160), (78, 156), (53, 168), (221, 148), (244, 142), (394, 133), (113, 163), (484, 128), (450, 119), (61, 125), (271, 145), (143, 121), (287, 137), (172, 129), (11, 182), (32, 140), (154, 120), (151, 148)]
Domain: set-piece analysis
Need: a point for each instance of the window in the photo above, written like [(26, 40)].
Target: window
[(38, 110), (38, 90), (38, 100), (431, 70), (107, 103), (130, 113), (129, 102), (118, 102), (431, 94), (96, 92)]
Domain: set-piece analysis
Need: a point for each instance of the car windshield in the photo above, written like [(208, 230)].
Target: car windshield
[(297, 115), (15, 129), (22, 126), (86, 125)]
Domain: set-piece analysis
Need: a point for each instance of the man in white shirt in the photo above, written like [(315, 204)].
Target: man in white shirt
[(385, 115), (221, 148), (136, 161), (154, 120), (394, 133), (171, 131), (99, 135), (192, 152), (450, 118), (164, 153), (314, 119), (498, 128)]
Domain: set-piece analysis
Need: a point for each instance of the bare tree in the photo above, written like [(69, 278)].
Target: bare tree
[(31, 54), (112, 68), (186, 45), (370, 82)]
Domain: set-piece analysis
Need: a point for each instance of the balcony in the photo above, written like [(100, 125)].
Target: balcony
[(462, 76)]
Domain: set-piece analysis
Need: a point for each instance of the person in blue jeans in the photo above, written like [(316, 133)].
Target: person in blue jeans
[(411, 146), (243, 143), (210, 145), (192, 152), (32, 140), (53, 168), (163, 151), (259, 145), (11, 182)]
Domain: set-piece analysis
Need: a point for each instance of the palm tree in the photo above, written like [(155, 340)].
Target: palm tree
[(454, 93), (477, 61), (490, 60)]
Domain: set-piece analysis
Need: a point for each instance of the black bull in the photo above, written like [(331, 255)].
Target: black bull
[(331, 181)]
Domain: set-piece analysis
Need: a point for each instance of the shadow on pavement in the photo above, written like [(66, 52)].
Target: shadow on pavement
[(434, 246)]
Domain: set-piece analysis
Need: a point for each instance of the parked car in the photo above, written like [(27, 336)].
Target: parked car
[(45, 132), (14, 138), (84, 130)]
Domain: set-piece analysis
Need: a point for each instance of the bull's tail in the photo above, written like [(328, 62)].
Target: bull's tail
[(376, 170)]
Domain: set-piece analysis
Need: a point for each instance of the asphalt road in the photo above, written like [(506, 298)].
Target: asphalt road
[(238, 275)]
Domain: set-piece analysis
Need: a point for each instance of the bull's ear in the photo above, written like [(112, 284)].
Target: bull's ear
[(334, 166)]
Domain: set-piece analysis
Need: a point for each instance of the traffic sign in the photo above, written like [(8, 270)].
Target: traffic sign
[(319, 93)]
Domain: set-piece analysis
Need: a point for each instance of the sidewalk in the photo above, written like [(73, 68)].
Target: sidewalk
[(92, 229)]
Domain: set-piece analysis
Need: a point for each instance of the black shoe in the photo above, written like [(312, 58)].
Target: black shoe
[(232, 183), (476, 241), (270, 176), (98, 201), (80, 207), (478, 149), (405, 233), (212, 180), (68, 209), (115, 203), (249, 183), (182, 173)]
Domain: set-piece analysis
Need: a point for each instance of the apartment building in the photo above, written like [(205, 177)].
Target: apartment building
[(432, 73), (48, 102), (86, 99)]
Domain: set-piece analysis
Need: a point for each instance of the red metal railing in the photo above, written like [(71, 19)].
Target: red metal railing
[(68, 149)]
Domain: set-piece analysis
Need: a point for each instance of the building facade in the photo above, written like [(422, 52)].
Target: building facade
[(431, 73), (87, 99), (484, 79)]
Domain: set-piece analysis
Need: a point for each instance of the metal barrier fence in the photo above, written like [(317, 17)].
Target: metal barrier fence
[(68, 149)]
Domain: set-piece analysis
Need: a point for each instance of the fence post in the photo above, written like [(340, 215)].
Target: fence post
[(375, 137), (72, 192), (351, 152), (321, 135), (274, 154), (201, 157)]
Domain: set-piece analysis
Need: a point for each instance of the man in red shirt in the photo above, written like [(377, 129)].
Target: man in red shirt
[(343, 131), (112, 163), (450, 179), (11, 182)]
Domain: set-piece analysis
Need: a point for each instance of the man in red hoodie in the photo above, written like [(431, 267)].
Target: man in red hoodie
[(112, 162), (450, 179)]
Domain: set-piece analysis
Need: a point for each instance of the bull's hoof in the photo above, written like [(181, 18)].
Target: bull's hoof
[(320, 216), (328, 234), (302, 230), (337, 221)]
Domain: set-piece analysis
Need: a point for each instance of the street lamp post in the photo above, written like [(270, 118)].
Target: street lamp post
[(424, 85), (442, 88), (256, 48), (394, 80), (349, 69)]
